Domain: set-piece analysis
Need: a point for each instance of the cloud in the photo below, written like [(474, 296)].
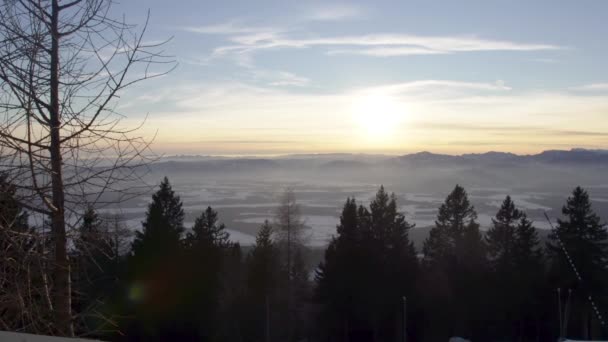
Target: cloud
[(244, 40), (386, 51), (335, 12), (230, 27), (592, 87), (432, 43), (434, 86), (278, 78)]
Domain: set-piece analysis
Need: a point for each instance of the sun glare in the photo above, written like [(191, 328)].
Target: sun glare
[(378, 116)]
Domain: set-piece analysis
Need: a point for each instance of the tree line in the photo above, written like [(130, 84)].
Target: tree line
[(170, 282)]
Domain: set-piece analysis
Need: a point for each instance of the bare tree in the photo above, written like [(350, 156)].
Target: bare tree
[(63, 65), (290, 226)]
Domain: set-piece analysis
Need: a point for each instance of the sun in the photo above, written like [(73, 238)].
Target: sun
[(378, 115)]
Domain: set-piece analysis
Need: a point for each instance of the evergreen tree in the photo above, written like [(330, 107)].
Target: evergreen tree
[(212, 277), (394, 263), (164, 223), (501, 237), (337, 276), (155, 268), (516, 264), (262, 282), (529, 278), (94, 271), (368, 268), (585, 239), (232, 291), (455, 269), (207, 230), (456, 232)]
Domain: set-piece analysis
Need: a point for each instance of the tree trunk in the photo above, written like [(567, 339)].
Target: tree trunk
[(61, 274), (289, 299)]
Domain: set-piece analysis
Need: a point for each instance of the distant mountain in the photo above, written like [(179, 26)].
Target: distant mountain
[(572, 156), (428, 157), (575, 155), (362, 162)]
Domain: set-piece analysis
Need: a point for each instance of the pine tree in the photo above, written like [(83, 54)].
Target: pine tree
[(455, 267), (501, 237), (516, 264), (232, 292), (367, 270), (208, 230), (455, 227), (94, 270), (164, 223), (395, 264), (527, 244), (263, 263), (156, 268), (529, 277), (337, 276), (213, 280), (262, 282), (92, 240), (585, 239)]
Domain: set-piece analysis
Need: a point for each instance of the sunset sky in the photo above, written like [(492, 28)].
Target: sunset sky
[(264, 78)]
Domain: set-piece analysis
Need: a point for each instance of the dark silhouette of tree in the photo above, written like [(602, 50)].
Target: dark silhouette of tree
[(530, 275), (231, 294), (368, 269), (501, 237), (213, 279), (263, 270), (91, 255), (455, 266), (338, 275), (585, 240), (394, 263), (207, 230), (516, 264), (164, 224), (155, 266)]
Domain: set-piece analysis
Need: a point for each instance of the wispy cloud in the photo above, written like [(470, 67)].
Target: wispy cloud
[(335, 12), (437, 87), (230, 27), (386, 51), (593, 87), (279, 78), (247, 40)]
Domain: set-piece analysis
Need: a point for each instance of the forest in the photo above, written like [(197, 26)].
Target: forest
[(171, 282), (69, 150)]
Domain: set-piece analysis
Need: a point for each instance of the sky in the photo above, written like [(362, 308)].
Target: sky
[(392, 77)]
